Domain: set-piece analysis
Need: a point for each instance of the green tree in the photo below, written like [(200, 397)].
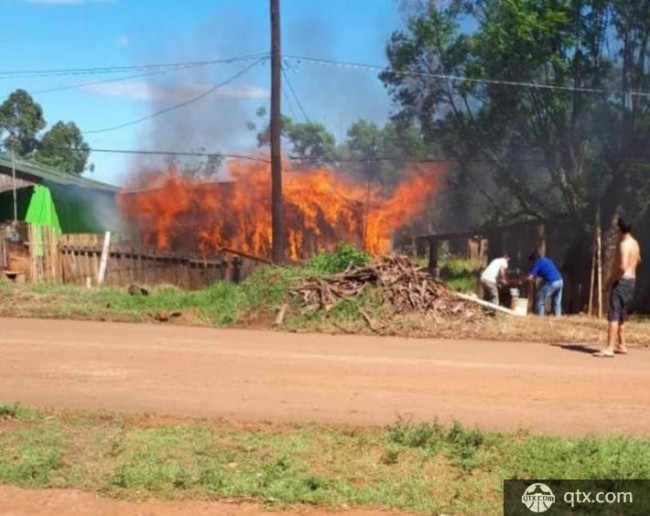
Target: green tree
[(21, 119), (524, 150), (310, 142), (380, 154), (63, 147), (200, 168)]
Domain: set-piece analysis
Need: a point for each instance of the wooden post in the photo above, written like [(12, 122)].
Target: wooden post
[(541, 239), (433, 258), (101, 273), (599, 251), (277, 222), (593, 277)]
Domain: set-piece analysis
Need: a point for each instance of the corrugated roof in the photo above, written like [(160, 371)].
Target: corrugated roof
[(32, 171), (7, 183)]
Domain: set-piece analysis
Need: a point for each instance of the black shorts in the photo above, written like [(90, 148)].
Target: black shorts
[(620, 299)]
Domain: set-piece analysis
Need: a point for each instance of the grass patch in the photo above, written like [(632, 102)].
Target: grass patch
[(256, 301), (423, 468), (460, 275)]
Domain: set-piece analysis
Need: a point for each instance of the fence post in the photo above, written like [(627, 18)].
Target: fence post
[(101, 273)]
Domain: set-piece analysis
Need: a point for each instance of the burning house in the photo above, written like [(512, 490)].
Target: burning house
[(322, 207)]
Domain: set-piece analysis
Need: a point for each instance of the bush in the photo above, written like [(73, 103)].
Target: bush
[(339, 260), (457, 267), (459, 274)]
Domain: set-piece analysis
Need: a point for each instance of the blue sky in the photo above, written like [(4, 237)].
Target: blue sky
[(61, 34)]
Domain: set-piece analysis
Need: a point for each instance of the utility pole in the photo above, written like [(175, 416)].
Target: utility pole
[(13, 176), (276, 129)]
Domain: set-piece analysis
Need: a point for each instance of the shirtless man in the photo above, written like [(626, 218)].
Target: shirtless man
[(621, 289)]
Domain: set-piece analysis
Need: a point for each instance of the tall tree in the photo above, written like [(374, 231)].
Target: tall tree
[(525, 150), (21, 119), (310, 142), (63, 147)]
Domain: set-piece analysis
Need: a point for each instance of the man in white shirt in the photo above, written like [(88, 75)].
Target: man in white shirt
[(490, 277)]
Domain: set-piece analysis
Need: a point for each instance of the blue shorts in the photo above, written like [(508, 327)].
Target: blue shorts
[(620, 300)]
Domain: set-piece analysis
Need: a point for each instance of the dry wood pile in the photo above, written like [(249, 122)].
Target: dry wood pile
[(399, 283)]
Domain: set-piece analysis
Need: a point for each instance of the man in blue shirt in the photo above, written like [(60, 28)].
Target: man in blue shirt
[(545, 269)]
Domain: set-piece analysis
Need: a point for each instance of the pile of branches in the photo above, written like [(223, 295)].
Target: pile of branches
[(400, 284)]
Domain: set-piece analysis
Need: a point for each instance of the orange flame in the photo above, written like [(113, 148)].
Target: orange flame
[(321, 208)]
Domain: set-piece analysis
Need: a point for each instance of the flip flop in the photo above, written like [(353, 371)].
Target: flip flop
[(603, 354)]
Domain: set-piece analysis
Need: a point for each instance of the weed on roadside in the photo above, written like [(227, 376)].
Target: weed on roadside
[(417, 467)]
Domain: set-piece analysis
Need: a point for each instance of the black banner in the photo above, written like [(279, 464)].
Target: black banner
[(553, 497)]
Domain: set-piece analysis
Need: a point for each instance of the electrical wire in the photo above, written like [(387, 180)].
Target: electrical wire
[(364, 66), (105, 81), (331, 161), (22, 74), (180, 104), (178, 153), (295, 95)]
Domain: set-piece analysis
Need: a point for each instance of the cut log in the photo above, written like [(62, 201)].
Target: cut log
[(487, 304)]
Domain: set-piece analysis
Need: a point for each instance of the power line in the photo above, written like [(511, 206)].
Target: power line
[(177, 153), (287, 98), (295, 95), (21, 74), (334, 161), (106, 81), (365, 66), (180, 104)]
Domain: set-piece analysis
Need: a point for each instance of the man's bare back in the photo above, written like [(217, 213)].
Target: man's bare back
[(627, 259)]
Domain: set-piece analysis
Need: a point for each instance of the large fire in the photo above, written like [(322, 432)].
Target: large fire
[(321, 208)]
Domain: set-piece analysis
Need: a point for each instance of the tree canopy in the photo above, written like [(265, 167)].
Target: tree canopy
[(62, 146), (543, 103)]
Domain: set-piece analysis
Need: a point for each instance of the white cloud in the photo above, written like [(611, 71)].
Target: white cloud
[(141, 90)]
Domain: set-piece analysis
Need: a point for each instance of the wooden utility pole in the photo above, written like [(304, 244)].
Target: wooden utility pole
[(276, 129), (599, 261), (13, 178)]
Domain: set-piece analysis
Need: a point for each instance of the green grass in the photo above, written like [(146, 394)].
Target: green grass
[(221, 304), (256, 301), (416, 467)]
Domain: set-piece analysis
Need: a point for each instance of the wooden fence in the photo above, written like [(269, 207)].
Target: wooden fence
[(80, 256), (41, 255)]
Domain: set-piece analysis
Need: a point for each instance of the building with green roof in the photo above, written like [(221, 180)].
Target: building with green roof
[(83, 205)]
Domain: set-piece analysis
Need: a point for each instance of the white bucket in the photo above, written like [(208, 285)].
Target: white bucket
[(520, 305)]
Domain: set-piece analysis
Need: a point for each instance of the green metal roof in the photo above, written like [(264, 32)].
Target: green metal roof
[(37, 172)]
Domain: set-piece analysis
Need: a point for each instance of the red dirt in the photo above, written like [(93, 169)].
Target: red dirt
[(265, 376), (251, 376), (32, 502)]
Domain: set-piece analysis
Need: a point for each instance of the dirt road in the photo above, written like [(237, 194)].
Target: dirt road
[(252, 375), (71, 502)]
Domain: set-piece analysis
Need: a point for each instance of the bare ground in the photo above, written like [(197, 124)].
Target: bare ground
[(71, 502), (264, 376)]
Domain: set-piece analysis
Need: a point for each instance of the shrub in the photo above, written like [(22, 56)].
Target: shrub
[(339, 260)]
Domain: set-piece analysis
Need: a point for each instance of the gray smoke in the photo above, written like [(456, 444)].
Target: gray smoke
[(334, 96)]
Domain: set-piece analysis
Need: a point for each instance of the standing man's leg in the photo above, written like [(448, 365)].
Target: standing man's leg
[(614, 313), (491, 292), (622, 346), (542, 296), (556, 297), (628, 297)]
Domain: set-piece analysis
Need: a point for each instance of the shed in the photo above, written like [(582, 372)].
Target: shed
[(83, 205)]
